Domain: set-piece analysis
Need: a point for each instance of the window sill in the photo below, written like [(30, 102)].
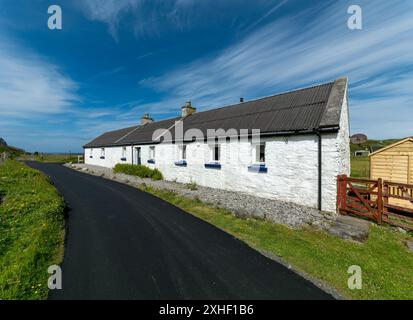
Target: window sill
[(181, 163), (152, 161), (122, 159), (258, 168), (213, 165)]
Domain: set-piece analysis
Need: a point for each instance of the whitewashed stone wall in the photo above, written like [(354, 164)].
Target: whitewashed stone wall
[(112, 156), (336, 159), (292, 164)]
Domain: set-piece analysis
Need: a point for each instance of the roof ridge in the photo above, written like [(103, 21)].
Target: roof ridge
[(270, 110), (253, 100), (270, 96), (392, 145)]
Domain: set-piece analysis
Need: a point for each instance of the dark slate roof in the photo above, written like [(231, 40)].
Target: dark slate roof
[(303, 110), (144, 133), (110, 138)]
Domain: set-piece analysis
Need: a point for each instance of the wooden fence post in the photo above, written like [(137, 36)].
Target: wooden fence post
[(341, 192), (379, 201), (385, 196)]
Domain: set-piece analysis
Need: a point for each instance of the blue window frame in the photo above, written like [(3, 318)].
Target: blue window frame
[(181, 163), (259, 168), (213, 165)]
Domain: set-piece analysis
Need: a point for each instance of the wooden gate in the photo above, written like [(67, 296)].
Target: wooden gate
[(360, 197), (376, 200)]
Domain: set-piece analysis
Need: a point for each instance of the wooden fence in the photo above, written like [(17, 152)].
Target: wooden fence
[(378, 200), (3, 157)]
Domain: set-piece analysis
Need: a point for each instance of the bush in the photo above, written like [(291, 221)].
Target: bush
[(157, 175), (138, 170)]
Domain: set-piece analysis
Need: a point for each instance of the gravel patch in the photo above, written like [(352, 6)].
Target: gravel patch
[(241, 204)]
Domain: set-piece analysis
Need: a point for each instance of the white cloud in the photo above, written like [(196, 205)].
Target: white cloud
[(31, 86), (149, 15), (108, 11)]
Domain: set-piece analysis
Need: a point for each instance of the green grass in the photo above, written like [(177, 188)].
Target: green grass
[(50, 157), (360, 167), (13, 153), (386, 263), (31, 231), (138, 170), (57, 158)]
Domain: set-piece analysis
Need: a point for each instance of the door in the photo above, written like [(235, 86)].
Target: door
[(138, 155)]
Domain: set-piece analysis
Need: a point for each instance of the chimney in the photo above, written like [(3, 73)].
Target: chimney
[(146, 119), (188, 109), (241, 100)]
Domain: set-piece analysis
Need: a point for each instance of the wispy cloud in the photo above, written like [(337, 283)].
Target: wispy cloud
[(296, 51), (107, 11), (148, 15), (30, 86), (266, 15)]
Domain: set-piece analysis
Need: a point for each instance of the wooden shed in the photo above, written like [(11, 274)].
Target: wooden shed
[(394, 162)]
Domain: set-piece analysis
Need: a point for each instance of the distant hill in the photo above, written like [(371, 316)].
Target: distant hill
[(372, 145), (3, 143), (4, 147)]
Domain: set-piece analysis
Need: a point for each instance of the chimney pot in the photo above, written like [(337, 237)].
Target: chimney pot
[(146, 119), (188, 109), (241, 100)]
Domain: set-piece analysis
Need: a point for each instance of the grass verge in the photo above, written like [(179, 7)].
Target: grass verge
[(138, 170), (31, 231), (385, 261)]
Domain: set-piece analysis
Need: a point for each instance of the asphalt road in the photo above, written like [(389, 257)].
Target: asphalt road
[(123, 243)]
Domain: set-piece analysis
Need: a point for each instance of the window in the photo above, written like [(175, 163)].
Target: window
[(181, 156), (182, 152), (260, 153), (123, 154), (91, 153), (216, 156), (152, 153), (216, 152), (102, 153)]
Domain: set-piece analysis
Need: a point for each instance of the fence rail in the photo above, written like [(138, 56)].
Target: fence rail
[(378, 200)]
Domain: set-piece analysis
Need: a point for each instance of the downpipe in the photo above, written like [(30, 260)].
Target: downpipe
[(320, 170)]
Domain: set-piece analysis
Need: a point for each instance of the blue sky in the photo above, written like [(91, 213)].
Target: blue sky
[(114, 60)]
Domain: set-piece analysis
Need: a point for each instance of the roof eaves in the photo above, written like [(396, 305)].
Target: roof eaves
[(391, 146)]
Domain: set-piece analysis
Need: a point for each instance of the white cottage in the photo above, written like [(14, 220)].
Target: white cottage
[(290, 146)]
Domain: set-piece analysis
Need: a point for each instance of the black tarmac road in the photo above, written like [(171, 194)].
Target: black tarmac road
[(126, 244)]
